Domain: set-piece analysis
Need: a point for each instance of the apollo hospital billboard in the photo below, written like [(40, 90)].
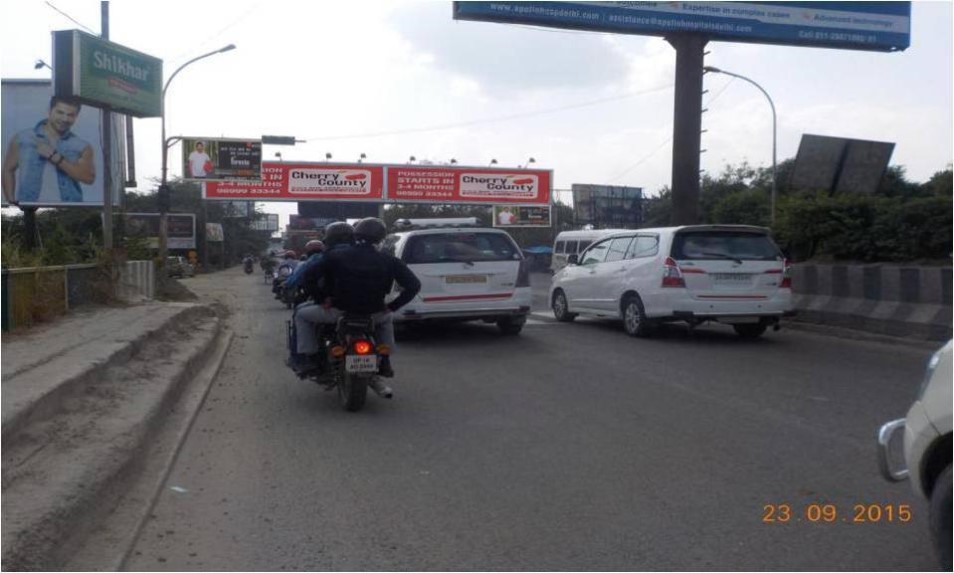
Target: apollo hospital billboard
[(389, 183)]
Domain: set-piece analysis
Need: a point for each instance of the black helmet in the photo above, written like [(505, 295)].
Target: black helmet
[(338, 233), (370, 229)]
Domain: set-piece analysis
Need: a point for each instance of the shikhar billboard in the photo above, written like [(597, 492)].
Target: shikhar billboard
[(105, 74)]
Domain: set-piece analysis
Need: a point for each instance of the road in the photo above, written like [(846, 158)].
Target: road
[(570, 447)]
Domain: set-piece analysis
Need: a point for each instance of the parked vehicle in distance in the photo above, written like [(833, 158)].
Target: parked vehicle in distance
[(466, 273), (926, 454), (573, 243), (179, 267), (734, 274)]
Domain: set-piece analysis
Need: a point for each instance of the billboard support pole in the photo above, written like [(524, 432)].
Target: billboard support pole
[(687, 127), (107, 152)]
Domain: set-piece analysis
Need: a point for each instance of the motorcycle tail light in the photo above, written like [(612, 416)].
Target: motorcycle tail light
[(384, 349), (362, 347), (338, 351)]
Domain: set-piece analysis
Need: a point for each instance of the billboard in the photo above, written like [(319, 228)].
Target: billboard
[(242, 209), (181, 227), (521, 216), (877, 26), (207, 158), (214, 232), (289, 181), (608, 206), (839, 164), (104, 74), (268, 222), (467, 185), (73, 176)]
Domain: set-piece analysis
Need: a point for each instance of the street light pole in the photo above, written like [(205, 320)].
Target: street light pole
[(164, 199), (774, 129)]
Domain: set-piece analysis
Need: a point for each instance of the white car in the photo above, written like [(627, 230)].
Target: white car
[(734, 274), (927, 449), (466, 274)]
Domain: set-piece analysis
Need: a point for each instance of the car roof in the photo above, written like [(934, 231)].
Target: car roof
[(446, 230), (673, 230)]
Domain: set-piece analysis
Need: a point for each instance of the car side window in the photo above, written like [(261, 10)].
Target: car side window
[(643, 246), (583, 245), (618, 248), (595, 254), (572, 247), (560, 247)]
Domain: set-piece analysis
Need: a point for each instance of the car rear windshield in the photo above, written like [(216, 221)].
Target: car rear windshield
[(460, 247), (718, 245)]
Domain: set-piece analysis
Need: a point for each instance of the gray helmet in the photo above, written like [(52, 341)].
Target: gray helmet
[(338, 233), (370, 229)]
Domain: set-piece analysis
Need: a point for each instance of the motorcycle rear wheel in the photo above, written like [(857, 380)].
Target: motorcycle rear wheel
[(352, 390)]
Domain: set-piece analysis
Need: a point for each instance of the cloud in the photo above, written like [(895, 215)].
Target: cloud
[(506, 58)]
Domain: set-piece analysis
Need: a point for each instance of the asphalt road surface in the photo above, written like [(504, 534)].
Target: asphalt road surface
[(569, 447)]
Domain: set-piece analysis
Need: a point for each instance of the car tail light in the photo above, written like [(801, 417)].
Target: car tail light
[(786, 276), (523, 274), (672, 276), (362, 347)]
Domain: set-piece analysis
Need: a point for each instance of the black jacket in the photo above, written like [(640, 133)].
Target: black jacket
[(358, 278)]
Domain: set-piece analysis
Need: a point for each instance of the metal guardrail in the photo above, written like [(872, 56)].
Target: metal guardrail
[(35, 294)]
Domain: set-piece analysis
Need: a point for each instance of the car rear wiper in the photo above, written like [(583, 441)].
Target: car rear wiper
[(723, 256)]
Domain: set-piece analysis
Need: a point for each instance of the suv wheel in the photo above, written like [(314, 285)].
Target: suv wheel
[(511, 326), (634, 317), (940, 517), (561, 308), (750, 331)]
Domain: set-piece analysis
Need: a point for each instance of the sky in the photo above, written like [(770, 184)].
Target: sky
[(394, 79)]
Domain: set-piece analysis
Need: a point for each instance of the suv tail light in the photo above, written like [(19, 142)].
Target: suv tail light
[(672, 276), (786, 276), (523, 274)]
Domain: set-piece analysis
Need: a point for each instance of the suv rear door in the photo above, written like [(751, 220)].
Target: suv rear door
[(728, 263), (466, 265)]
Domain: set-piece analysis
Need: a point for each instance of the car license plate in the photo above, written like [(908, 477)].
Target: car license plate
[(733, 278), (361, 363), (465, 279)]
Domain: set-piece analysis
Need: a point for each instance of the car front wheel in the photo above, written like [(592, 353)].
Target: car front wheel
[(561, 309)]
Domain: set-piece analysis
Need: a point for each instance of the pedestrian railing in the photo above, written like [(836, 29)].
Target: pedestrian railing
[(35, 294)]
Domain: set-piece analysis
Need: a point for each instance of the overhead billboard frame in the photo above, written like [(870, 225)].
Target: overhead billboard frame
[(876, 26)]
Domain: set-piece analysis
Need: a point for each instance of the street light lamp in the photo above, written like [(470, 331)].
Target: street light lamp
[(411, 160), (163, 186), (774, 129), (362, 158), (529, 161), (327, 157), (453, 161), (492, 163)]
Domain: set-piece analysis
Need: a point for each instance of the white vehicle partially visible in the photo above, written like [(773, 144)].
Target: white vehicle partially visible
[(734, 274), (466, 274), (926, 454)]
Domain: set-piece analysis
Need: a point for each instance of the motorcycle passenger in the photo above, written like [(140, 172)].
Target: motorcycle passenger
[(286, 267), (313, 250), (339, 235), (358, 280)]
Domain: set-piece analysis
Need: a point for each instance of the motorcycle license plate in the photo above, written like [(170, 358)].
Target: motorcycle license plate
[(364, 363)]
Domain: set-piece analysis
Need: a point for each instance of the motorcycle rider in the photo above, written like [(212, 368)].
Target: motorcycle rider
[(286, 267), (358, 279), (338, 235)]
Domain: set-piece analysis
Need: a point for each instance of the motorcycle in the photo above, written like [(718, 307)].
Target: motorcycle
[(249, 266), (347, 358), (278, 287)]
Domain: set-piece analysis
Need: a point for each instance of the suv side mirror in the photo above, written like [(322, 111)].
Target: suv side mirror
[(573, 259)]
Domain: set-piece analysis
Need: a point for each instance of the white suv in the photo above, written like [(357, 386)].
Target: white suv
[(926, 449), (734, 274), (465, 274)]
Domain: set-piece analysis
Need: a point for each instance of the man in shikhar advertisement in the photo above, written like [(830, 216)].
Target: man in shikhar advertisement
[(48, 162)]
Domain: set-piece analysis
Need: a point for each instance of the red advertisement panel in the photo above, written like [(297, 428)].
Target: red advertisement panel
[(305, 182), (439, 184)]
